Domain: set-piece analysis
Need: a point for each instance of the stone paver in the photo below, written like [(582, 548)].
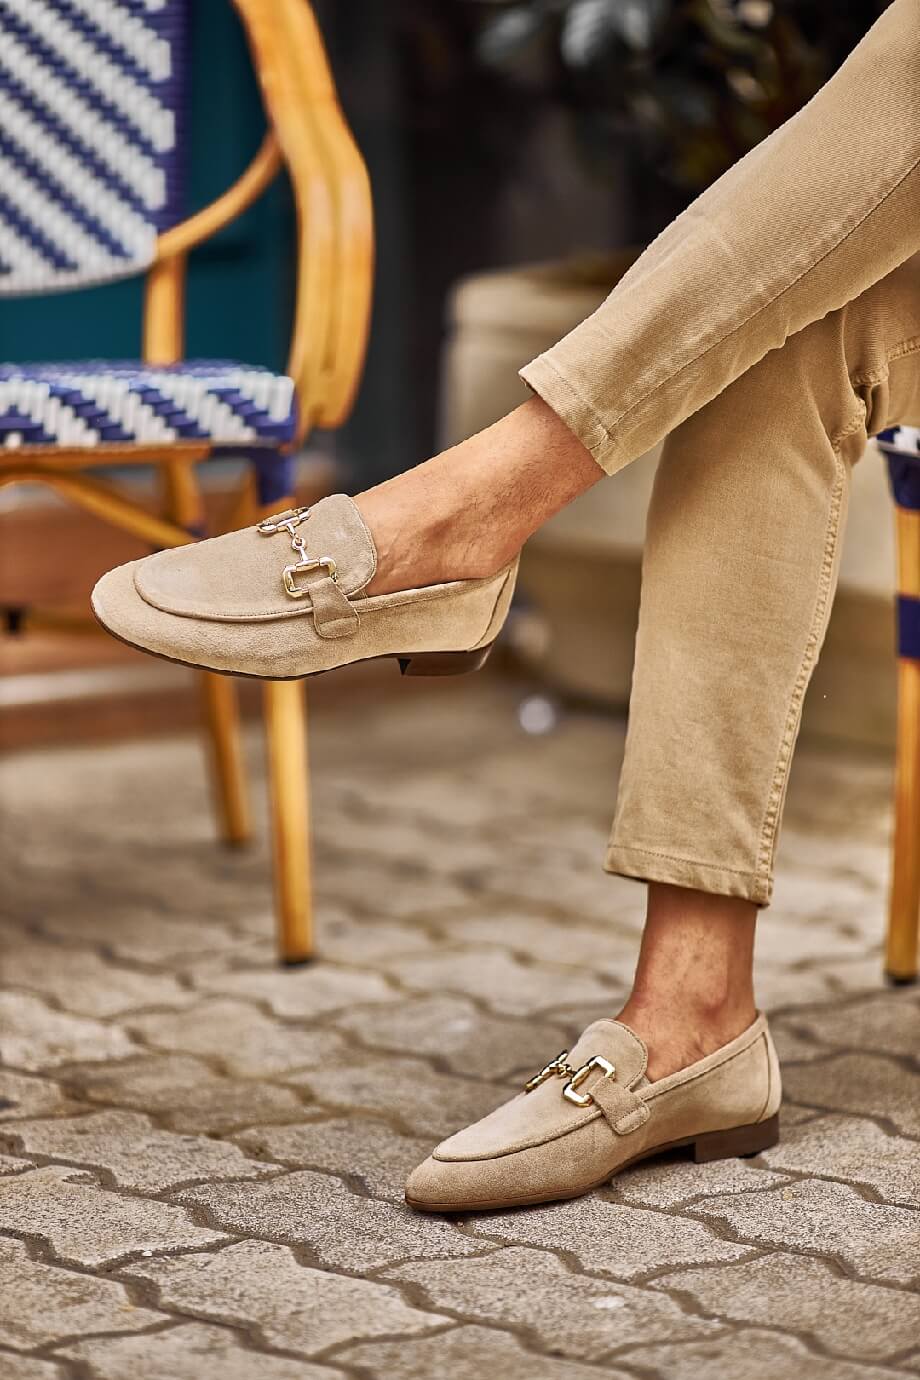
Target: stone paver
[(452, 1032), (863, 1084), (612, 1239), (753, 1355), (202, 1155), (342, 1229), (886, 1023), (262, 1046), (190, 1352), (22, 1096), (873, 1240), (400, 893), (186, 1093), (86, 984), (143, 936), (34, 1037), (467, 1353), (501, 981), (303, 993), (530, 935), (42, 1303), (29, 1368), (421, 1102), (366, 1149), (855, 1150), (9, 1165), (565, 1313), (672, 1180), (346, 937), (90, 1225), (291, 1306), (847, 1317), (137, 1154)]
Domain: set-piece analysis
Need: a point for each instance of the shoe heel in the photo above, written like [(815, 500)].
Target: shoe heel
[(444, 663), (740, 1140)]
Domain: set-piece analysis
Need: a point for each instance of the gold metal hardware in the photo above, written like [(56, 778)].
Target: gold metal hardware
[(307, 564), (286, 521), (556, 1067), (578, 1077)]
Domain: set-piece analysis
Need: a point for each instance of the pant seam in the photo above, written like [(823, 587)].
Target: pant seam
[(676, 857), (606, 426), (905, 348), (770, 824)]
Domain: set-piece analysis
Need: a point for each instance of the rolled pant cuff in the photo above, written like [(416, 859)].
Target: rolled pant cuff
[(645, 866), (581, 418)]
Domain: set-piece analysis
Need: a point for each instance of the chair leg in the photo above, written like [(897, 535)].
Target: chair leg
[(901, 958), (904, 918), (219, 698), (222, 719), (286, 738)]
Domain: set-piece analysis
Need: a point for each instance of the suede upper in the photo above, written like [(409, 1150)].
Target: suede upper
[(533, 1118), (236, 603), (240, 576), (540, 1146)]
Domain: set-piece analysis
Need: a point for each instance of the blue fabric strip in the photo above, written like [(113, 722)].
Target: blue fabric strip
[(274, 475), (904, 471), (908, 627)]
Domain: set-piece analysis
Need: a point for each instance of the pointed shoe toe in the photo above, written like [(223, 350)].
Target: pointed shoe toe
[(589, 1113), (287, 598)]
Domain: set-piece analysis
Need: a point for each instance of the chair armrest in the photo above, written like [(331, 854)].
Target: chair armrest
[(333, 200), (249, 186)]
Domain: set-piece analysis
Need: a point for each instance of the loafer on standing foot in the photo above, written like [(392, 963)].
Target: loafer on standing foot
[(286, 599), (591, 1112)]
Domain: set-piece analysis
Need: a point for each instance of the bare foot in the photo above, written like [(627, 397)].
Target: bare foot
[(467, 512), (672, 1047)]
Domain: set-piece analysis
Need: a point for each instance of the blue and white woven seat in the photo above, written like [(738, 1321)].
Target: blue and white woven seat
[(229, 405)]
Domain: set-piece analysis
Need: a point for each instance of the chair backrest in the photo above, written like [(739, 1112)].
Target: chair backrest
[(91, 103)]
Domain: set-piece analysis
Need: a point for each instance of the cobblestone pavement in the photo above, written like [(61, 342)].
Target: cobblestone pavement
[(202, 1156)]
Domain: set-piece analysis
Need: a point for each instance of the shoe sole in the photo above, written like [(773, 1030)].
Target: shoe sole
[(410, 663), (714, 1145)]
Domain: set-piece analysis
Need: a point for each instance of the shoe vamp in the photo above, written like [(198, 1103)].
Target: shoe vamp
[(241, 575), (545, 1114)]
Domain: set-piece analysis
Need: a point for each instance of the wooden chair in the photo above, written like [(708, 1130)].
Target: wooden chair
[(90, 113), (902, 448)]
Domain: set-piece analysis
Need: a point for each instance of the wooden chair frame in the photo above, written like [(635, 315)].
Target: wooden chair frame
[(901, 956), (307, 135)]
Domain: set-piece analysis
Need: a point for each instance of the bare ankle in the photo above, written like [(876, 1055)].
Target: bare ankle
[(678, 1030)]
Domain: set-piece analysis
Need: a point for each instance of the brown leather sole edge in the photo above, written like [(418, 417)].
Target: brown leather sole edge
[(712, 1145), (410, 664)]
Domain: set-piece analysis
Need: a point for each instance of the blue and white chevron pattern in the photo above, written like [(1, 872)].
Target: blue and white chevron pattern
[(90, 98), (900, 440), (97, 402)]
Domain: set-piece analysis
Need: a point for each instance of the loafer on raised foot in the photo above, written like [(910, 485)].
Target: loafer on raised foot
[(285, 599), (591, 1112)]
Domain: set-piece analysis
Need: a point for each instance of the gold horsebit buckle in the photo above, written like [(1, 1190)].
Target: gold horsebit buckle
[(288, 522), (561, 1068)]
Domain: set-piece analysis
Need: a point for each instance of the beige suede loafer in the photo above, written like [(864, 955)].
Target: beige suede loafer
[(591, 1112), (285, 599)]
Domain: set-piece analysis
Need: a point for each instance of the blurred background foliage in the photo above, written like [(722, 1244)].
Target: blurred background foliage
[(692, 84)]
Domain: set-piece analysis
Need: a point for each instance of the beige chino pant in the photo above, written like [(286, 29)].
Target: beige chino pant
[(767, 333)]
